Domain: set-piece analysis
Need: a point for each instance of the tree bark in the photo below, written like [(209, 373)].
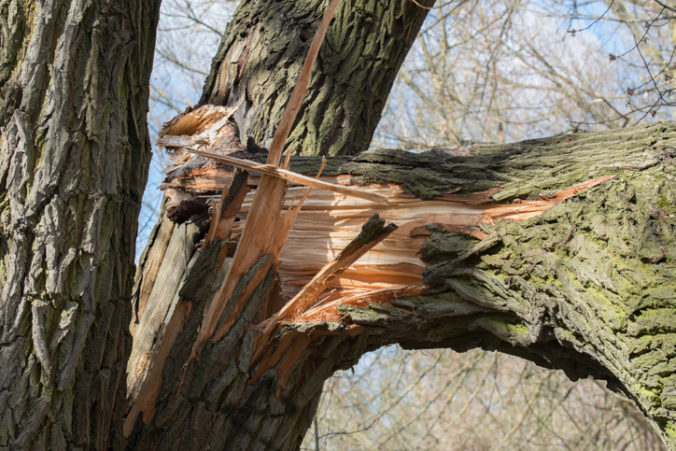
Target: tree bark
[(560, 251), (74, 155), (264, 48)]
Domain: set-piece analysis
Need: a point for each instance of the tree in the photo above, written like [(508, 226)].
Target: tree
[(74, 155), (543, 287)]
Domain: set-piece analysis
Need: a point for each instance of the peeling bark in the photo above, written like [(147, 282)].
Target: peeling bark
[(74, 154)]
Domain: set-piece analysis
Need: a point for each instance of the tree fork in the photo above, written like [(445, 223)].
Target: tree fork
[(479, 287)]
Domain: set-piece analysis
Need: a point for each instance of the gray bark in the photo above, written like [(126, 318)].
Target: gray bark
[(74, 155), (264, 48), (588, 286)]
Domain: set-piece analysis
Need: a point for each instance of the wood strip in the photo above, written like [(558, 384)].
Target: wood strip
[(289, 219), (268, 202), (227, 208), (253, 245), (299, 91), (285, 174), (281, 230)]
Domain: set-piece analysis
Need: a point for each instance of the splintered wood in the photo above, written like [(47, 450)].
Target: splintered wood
[(267, 227), (274, 171), (330, 221), (306, 245), (373, 232)]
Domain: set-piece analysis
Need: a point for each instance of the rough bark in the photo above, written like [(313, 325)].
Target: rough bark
[(263, 50), (74, 155)]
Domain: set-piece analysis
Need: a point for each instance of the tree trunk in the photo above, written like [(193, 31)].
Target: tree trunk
[(74, 155), (264, 48), (560, 251)]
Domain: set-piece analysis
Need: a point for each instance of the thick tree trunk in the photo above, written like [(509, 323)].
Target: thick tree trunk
[(560, 251), (74, 154)]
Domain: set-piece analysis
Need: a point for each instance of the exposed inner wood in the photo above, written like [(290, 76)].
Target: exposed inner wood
[(330, 219), (356, 249), (372, 233), (266, 231)]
